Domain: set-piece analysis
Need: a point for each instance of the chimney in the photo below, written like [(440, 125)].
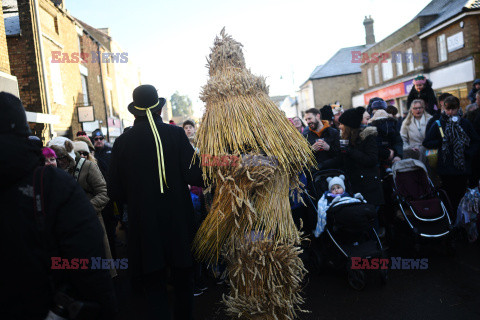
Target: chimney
[(369, 34), (105, 30), (60, 3)]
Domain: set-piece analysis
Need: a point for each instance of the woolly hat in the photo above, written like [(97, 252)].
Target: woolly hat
[(63, 142), (80, 146), (379, 104), (352, 117), (97, 133), (327, 113), (419, 79), (477, 81), (12, 115), (87, 141), (48, 152), (340, 180)]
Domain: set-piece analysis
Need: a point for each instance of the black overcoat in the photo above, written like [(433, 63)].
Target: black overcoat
[(361, 167), (161, 225)]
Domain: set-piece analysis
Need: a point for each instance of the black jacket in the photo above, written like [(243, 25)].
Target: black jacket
[(427, 95), (72, 230), (433, 140), (103, 156), (326, 159), (388, 137), (161, 225), (360, 164)]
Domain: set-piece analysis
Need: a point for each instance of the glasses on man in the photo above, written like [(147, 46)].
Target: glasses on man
[(98, 138), (83, 153)]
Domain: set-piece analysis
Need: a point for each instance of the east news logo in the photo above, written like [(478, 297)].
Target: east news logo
[(393, 262), (94, 263)]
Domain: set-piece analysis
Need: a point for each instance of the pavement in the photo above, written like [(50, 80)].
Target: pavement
[(448, 289)]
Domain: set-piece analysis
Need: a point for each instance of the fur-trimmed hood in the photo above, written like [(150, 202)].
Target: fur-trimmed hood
[(367, 132), (61, 152)]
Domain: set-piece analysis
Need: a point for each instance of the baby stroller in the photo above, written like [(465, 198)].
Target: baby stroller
[(348, 234), (420, 205)]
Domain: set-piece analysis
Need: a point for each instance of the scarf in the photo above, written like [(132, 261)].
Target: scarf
[(420, 124), (158, 145), (456, 138), (319, 133)]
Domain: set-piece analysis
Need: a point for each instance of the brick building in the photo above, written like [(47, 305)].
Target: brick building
[(8, 82), (56, 85), (453, 44), (441, 42), (337, 79)]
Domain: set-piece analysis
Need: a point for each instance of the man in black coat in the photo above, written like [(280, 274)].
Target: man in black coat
[(103, 155), (324, 139), (60, 223), (161, 222)]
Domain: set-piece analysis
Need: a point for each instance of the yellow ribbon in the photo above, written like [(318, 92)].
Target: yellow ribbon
[(158, 145)]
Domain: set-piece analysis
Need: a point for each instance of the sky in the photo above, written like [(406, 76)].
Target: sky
[(284, 41)]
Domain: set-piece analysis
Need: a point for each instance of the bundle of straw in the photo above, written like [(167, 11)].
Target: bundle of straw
[(265, 280), (240, 117), (241, 120)]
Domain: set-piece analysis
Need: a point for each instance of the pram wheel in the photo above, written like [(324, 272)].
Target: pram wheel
[(383, 276), (356, 279)]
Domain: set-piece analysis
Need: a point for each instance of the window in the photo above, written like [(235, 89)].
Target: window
[(409, 58), (84, 90), (377, 74), (441, 48), (399, 65), (57, 84), (387, 70), (369, 77)]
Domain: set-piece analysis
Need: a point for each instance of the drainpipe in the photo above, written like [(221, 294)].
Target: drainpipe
[(42, 63), (103, 90)]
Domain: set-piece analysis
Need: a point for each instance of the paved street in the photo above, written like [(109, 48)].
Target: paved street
[(448, 289)]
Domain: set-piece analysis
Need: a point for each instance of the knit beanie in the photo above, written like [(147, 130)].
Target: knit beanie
[(419, 79), (80, 146), (327, 113), (48, 153), (379, 104), (87, 141), (352, 117), (12, 116), (336, 180)]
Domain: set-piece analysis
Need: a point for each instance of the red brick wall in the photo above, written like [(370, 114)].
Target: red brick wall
[(23, 62), (4, 63)]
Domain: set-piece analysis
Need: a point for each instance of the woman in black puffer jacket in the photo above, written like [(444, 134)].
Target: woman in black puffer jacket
[(360, 157)]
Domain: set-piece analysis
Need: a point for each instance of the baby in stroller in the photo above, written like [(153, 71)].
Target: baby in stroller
[(335, 194)]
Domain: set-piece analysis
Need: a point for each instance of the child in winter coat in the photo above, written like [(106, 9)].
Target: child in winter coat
[(336, 194)]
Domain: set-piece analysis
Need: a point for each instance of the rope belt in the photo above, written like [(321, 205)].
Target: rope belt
[(158, 145)]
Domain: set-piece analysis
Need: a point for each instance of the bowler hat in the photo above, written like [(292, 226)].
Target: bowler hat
[(145, 97)]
